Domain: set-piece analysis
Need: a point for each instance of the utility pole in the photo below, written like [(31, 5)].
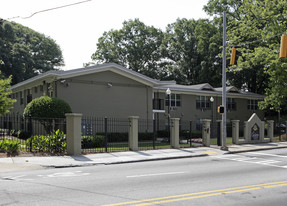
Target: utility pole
[(223, 140)]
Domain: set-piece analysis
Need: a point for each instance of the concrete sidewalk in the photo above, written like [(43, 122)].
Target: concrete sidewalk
[(110, 158), (26, 163), (256, 147)]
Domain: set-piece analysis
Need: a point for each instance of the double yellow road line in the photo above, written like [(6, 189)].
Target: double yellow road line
[(196, 195)]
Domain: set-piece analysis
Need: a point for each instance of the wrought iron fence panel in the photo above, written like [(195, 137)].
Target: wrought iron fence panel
[(190, 134), (104, 134), (153, 134), (27, 131), (279, 131), (146, 135)]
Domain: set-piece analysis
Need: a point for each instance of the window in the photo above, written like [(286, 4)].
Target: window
[(35, 89), (203, 102), (231, 105), (174, 100), (41, 88), (252, 104)]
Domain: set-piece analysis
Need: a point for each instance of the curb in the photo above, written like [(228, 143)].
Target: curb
[(255, 149), (122, 162)]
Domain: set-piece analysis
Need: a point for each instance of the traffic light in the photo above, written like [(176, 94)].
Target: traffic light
[(220, 109), (283, 47), (233, 53)]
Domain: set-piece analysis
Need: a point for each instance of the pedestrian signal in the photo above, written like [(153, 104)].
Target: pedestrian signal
[(220, 109)]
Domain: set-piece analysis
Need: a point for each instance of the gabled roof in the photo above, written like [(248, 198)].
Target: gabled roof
[(205, 86), (61, 74), (207, 90), (229, 89), (200, 89)]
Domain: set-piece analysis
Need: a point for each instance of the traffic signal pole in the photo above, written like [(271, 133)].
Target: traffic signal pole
[(223, 138)]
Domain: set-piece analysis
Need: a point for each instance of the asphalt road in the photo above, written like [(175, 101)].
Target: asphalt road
[(253, 178)]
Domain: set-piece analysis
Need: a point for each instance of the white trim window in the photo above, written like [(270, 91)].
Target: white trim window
[(231, 105), (175, 100), (203, 102), (252, 104)]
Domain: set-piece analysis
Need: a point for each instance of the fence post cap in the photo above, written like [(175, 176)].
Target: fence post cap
[(133, 117)]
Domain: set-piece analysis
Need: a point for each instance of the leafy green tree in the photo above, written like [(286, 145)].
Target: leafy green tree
[(46, 109), (135, 46), (6, 102), (216, 7), (26, 53), (256, 30), (190, 49), (187, 52)]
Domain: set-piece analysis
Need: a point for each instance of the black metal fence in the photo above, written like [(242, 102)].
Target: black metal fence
[(104, 134), (190, 133), (111, 134), (27, 132), (153, 134)]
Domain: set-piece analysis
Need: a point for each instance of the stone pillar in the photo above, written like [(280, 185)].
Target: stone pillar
[(245, 132), (174, 133), (206, 132), (133, 133), (235, 131), (270, 130), (74, 131)]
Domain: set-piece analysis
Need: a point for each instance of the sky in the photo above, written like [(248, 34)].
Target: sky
[(76, 29)]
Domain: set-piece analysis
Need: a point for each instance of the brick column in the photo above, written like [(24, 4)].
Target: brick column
[(206, 132), (74, 131), (174, 133), (133, 133)]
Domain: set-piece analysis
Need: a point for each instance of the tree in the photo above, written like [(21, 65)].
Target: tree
[(187, 52), (46, 109), (190, 49), (135, 46), (26, 53), (6, 102), (256, 30)]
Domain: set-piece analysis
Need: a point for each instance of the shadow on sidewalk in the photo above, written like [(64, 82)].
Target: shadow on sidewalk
[(82, 158), (143, 153)]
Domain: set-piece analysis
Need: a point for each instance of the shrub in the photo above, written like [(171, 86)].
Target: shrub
[(145, 136), (93, 141), (45, 109), (10, 146), (116, 136), (196, 134), (55, 142)]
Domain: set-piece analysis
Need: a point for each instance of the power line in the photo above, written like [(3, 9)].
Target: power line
[(59, 7)]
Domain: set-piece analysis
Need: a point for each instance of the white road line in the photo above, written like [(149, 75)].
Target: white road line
[(244, 159), (17, 178), (158, 174), (268, 162), (259, 161), (266, 154)]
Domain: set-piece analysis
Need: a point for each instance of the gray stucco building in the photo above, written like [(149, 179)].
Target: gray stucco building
[(114, 91)]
